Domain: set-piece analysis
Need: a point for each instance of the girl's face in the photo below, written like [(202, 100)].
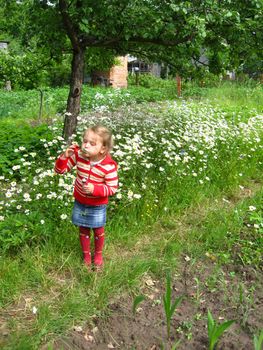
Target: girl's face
[(92, 146)]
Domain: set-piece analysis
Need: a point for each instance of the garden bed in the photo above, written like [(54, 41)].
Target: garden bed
[(228, 294)]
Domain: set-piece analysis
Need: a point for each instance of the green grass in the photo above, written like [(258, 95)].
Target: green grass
[(233, 97), (26, 104), (52, 278)]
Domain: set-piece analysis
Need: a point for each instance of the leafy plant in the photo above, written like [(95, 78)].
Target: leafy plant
[(215, 331), (258, 341), (174, 346), (246, 302), (137, 300), (256, 219), (169, 307)]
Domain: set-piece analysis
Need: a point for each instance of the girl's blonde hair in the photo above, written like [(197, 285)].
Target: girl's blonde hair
[(104, 133)]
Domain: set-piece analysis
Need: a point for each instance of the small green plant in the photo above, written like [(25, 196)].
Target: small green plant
[(256, 218), (258, 341), (185, 328), (215, 331), (169, 307), (174, 346), (245, 303), (198, 293), (137, 300)]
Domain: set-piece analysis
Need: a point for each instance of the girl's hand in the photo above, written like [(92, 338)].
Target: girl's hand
[(89, 188), (70, 151)]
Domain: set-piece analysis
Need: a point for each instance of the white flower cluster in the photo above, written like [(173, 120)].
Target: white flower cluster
[(153, 145)]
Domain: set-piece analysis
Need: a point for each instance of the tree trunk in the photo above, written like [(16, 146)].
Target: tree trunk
[(73, 104)]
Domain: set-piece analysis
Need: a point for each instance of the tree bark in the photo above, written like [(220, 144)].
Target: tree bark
[(73, 103)]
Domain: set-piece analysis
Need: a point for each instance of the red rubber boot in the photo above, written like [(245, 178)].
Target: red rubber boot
[(99, 243), (84, 236)]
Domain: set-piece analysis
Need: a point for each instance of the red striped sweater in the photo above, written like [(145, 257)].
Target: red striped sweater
[(102, 175)]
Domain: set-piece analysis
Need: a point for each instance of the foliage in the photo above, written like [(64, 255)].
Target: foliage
[(148, 80), (215, 331), (30, 70), (175, 33), (226, 29), (236, 99), (258, 341), (97, 59), (57, 73), (169, 307), (12, 20), (25, 104), (23, 71), (137, 300), (199, 147), (20, 136)]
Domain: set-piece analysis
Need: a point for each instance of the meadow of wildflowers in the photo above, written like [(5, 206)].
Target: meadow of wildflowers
[(167, 153)]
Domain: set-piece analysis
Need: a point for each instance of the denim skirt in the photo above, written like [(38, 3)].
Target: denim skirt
[(89, 216)]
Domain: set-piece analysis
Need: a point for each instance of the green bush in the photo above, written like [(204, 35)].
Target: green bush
[(148, 80), (20, 134)]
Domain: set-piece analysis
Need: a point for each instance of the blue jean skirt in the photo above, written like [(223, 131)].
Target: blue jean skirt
[(89, 216)]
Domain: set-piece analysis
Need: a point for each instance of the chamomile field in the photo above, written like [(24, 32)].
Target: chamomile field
[(183, 254)]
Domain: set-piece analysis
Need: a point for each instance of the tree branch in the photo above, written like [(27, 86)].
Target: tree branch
[(68, 25), (200, 62), (112, 43), (161, 42)]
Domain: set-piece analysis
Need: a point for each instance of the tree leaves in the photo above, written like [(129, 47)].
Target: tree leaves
[(135, 26)]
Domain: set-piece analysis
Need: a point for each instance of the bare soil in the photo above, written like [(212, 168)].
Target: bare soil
[(232, 293)]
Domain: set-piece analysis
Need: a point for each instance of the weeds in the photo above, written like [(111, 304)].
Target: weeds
[(245, 303), (136, 302), (169, 307), (215, 331), (258, 341)]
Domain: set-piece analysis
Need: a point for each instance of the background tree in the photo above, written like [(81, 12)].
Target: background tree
[(170, 30)]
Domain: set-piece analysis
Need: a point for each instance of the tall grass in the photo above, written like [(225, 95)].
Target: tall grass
[(233, 97), (26, 104)]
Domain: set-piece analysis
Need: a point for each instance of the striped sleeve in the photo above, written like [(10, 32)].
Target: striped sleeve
[(64, 165), (110, 185)]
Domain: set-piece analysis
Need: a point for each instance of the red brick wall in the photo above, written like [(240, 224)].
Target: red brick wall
[(117, 75)]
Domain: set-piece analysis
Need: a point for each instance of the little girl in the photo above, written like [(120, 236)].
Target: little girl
[(96, 180)]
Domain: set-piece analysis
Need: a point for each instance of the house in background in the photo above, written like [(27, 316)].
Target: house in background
[(4, 47), (153, 68), (115, 77)]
